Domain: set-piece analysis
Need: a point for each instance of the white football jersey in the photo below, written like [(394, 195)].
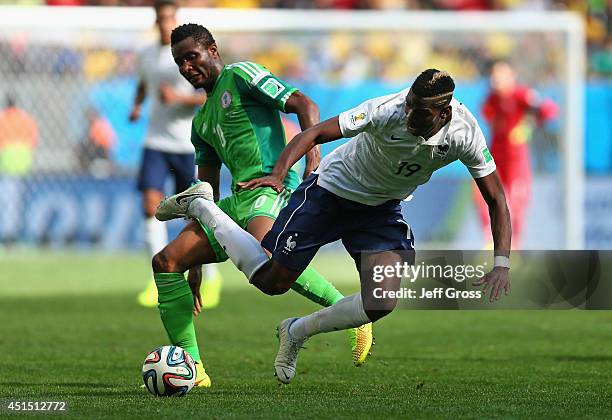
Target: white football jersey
[(169, 125), (384, 161)]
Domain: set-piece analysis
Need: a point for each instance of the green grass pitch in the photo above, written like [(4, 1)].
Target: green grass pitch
[(71, 331)]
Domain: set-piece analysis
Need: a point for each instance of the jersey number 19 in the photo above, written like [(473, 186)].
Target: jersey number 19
[(407, 169)]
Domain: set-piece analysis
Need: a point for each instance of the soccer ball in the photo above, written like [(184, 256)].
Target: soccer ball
[(169, 371)]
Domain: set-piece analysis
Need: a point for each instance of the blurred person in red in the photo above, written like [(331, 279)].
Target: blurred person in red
[(510, 109), (18, 138), (95, 152)]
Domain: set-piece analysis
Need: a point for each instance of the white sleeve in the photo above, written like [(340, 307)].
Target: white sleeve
[(358, 119), (475, 154)]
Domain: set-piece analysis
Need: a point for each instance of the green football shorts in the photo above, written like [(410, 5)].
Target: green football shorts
[(243, 206)]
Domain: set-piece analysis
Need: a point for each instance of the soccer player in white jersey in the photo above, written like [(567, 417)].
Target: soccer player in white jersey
[(398, 141), (167, 148)]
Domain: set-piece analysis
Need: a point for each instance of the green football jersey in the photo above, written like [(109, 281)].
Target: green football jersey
[(239, 125)]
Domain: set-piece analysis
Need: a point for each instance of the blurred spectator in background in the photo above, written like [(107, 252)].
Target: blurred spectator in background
[(509, 109), (95, 150), (67, 62), (167, 148), (601, 61), (18, 138), (386, 62)]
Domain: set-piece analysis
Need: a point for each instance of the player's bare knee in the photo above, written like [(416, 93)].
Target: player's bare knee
[(262, 285), (375, 315), (158, 263), (281, 287), (163, 263), (269, 285), (261, 280), (272, 281), (380, 309), (376, 309), (274, 289)]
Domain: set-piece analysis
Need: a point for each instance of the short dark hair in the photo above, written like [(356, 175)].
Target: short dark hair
[(433, 82), (197, 32), (162, 3)]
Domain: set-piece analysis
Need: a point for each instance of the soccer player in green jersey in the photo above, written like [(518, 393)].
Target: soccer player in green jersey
[(239, 126)]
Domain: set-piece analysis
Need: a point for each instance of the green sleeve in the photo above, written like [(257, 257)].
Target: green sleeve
[(205, 154), (265, 88)]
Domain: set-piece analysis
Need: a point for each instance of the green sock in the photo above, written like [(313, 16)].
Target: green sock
[(175, 310), (315, 287)]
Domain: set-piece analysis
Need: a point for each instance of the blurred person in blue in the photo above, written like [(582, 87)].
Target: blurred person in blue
[(167, 147)]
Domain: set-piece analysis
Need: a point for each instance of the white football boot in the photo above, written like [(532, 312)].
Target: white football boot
[(175, 206), (286, 358)]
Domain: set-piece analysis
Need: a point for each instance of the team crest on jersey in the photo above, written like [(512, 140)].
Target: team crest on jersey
[(226, 99), (355, 118), (441, 150), (272, 87)]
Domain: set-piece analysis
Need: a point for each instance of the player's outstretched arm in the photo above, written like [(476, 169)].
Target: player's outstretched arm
[(308, 115), (493, 193), (141, 93), (324, 132)]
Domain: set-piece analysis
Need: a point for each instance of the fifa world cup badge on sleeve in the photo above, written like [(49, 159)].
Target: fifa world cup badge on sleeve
[(272, 88), (487, 155)]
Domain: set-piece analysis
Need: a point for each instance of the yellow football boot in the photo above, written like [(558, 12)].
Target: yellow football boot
[(210, 289), (202, 378), (148, 297), (361, 340)]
